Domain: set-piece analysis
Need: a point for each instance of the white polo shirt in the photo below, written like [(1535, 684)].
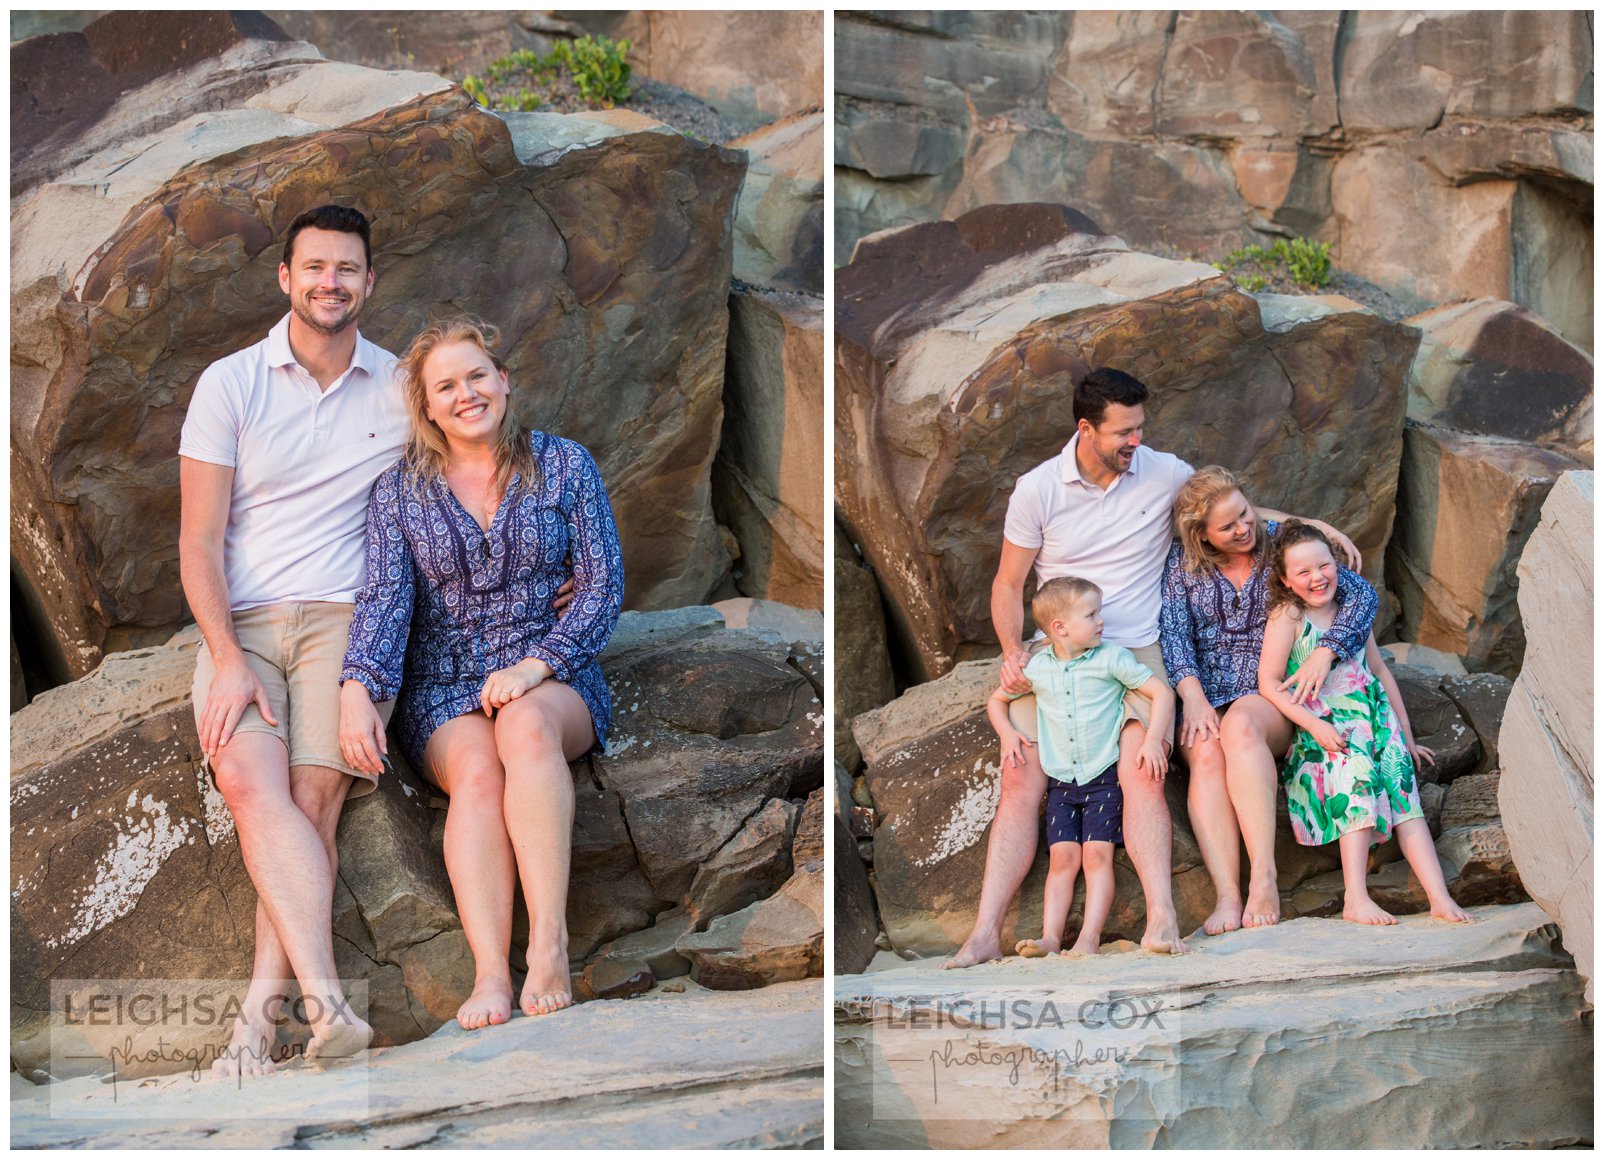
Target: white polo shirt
[(304, 462), (1118, 538)]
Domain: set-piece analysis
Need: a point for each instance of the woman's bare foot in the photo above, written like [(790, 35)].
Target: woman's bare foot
[(975, 951), (249, 1050), (1263, 906), (1450, 911), (546, 989), (1366, 911), (1037, 948), (1084, 947), (490, 1003), (1227, 915)]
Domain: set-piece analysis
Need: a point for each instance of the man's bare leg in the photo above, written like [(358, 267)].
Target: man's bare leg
[(1251, 733), (250, 1048), (1147, 840), (1208, 801), (1009, 853)]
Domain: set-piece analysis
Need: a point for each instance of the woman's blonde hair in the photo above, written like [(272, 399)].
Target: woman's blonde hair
[(428, 454), (1193, 502)]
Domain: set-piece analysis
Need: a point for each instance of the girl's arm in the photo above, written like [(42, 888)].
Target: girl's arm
[(1395, 698), (1279, 635), (1013, 741)]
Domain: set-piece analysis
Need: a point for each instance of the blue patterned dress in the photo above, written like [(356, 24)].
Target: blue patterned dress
[(447, 603)]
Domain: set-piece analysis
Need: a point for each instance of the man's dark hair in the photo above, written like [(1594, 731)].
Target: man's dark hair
[(1103, 386), (335, 218)]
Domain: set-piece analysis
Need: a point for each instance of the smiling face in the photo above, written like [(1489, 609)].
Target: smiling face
[(328, 280), (464, 394), (1114, 441), (1232, 527), (1081, 627), (1310, 573)]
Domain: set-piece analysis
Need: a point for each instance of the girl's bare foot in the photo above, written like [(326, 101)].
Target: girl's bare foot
[(490, 1003), (1037, 948), (547, 988), (1365, 910), (1450, 911), (1227, 916)]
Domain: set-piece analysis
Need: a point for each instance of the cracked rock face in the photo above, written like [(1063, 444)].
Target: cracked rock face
[(146, 245)]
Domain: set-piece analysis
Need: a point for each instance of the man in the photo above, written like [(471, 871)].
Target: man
[(1101, 510), (280, 448)]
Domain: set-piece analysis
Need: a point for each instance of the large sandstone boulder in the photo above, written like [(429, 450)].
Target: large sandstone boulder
[(852, 942), (767, 485), (1466, 505), (145, 245), (957, 349), (1208, 1050), (1491, 368), (126, 865), (862, 671), (1546, 740), (779, 227)]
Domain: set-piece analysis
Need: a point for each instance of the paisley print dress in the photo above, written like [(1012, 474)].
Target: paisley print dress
[(1373, 783), (447, 603)]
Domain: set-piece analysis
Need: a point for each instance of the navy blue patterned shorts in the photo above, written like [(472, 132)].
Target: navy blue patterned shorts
[(1086, 813)]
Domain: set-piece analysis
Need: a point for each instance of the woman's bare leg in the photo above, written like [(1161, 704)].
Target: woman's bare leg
[(537, 736), (1252, 733), (461, 758), (1208, 802)]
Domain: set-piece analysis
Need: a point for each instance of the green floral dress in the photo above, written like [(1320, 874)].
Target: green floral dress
[(1371, 785)]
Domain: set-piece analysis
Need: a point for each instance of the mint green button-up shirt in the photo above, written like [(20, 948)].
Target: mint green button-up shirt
[(1079, 708)]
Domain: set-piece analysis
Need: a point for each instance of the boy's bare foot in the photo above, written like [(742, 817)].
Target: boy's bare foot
[(1450, 911), (1227, 916), (490, 1003), (249, 1050), (1163, 936), (974, 952), (1366, 911), (339, 1037), (1264, 905), (1037, 948), (547, 987)]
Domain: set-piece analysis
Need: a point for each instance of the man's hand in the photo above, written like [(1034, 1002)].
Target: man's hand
[(506, 685), (1304, 685), (362, 740), (564, 595), (1013, 679), (234, 687)]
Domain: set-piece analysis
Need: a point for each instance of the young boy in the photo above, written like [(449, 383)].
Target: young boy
[(1080, 686)]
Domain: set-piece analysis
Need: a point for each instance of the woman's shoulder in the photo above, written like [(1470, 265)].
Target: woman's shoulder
[(556, 449)]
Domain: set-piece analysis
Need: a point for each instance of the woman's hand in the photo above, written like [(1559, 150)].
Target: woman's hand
[(362, 740), (1327, 737), (506, 685), (1420, 755), (1199, 720), (1305, 684), (564, 594)]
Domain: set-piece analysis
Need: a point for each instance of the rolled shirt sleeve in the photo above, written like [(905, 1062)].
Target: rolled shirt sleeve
[(1176, 637), (377, 648), (584, 628), (1356, 614)]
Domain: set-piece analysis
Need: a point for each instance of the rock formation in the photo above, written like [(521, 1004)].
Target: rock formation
[(125, 864), (957, 349), (1546, 739), (150, 191), (1446, 155), (779, 229), (863, 679)]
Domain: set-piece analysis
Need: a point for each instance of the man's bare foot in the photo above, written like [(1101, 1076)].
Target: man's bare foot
[(338, 1037), (1162, 936), (974, 952), (1450, 911), (490, 1003), (1366, 911), (249, 1050), (1037, 948), (1227, 916), (546, 989), (1264, 905)]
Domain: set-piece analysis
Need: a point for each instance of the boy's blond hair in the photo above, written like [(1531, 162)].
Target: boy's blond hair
[(1057, 598)]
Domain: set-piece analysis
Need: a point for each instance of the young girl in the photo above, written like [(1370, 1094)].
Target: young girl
[(1350, 775)]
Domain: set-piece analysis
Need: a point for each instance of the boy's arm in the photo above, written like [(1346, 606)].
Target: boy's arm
[(1163, 698), (1013, 741)]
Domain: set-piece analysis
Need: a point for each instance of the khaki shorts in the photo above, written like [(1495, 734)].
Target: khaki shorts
[(1022, 710), (296, 650)]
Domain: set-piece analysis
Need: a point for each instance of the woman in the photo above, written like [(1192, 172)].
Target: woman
[(1211, 627), (467, 540)]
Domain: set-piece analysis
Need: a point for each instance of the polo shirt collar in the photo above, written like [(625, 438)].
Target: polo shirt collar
[(279, 353), (1069, 468)]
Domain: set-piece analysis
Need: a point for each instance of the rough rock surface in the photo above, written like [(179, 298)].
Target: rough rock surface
[(862, 673), (1446, 155), (957, 346), (1481, 700), (749, 867), (1492, 368), (1208, 1050), (725, 1071), (767, 485), (1546, 739), (778, 939), (852, 944), (1466, 505), (145, 246), (779, 226), (125, 863)]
